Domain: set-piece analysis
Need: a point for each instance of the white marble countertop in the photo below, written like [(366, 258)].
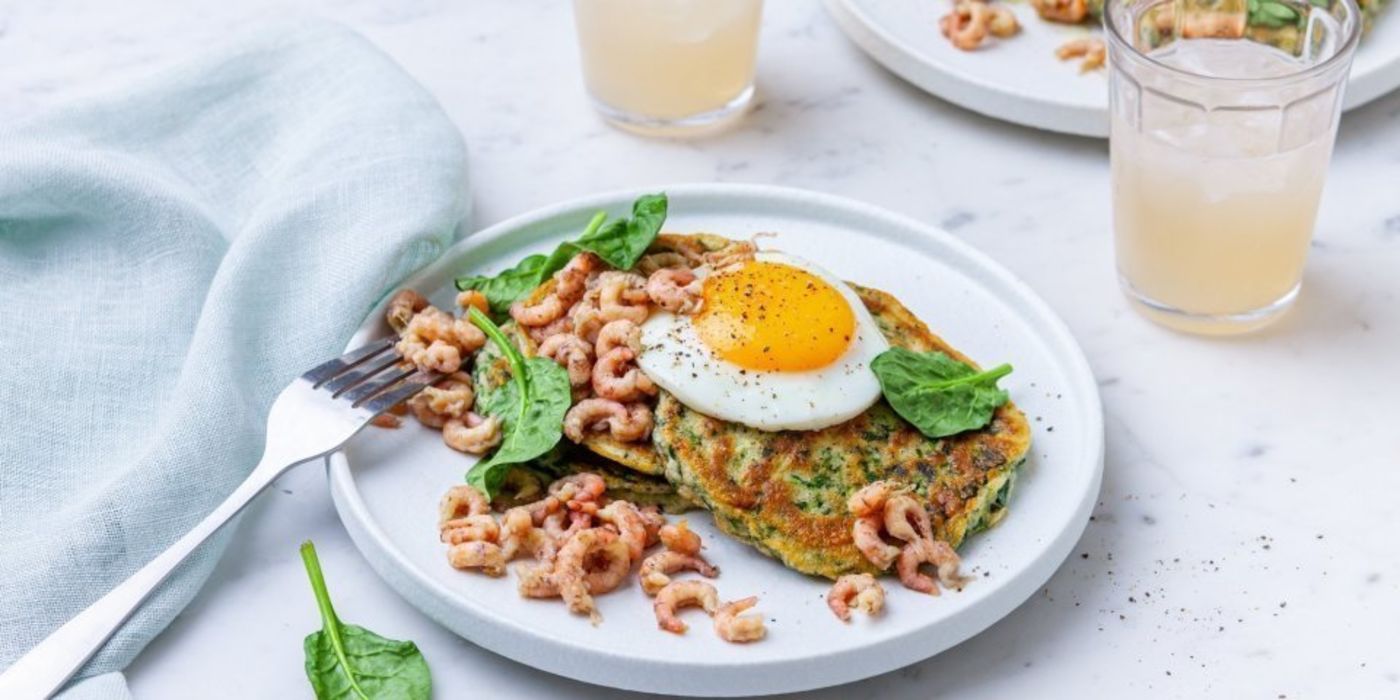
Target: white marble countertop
[(1243, 545)]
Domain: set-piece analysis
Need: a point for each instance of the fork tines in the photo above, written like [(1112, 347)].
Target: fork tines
[(373, 376)]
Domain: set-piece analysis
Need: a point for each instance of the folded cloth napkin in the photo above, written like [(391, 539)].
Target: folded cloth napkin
[(171, 255)]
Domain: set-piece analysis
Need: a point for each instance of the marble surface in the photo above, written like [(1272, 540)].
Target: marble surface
[(1243, 545)]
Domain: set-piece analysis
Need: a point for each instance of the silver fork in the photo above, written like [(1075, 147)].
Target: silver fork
[(314, 416)]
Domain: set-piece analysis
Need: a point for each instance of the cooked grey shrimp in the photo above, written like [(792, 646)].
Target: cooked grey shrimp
[(1091, 49), (451, 397), (733, 627), (655, 520), (439, 356), (542, 312), (870, 500), (571, 282), (625, 422), (865, 533), (433, 340), (606, 569), (929, 551), (554, 524), (386, 420), (473, 299), (631, 526), (656, 569), (1003, 22), (734, 254), (575, 490), (680, 538), (1066, 11), (861, 589), (539, 334), (651, 262), (622, 295), (461, 501), (402, 307), (906, 519), (573, 353), (477, 555), (541, 509), (473, 528), (681, 594), (472, 434), (536, 580), (966, 24), (619, 334), (616, 377), (521, 535), (634, 426), (675, 289), (391, 417), (571, 568), (585, 318), (947, 561)]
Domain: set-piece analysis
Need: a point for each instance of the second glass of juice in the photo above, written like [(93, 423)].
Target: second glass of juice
[(1222, 125), (669, 66)]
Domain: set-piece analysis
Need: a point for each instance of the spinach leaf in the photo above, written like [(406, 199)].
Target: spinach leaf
[(531, 409), (622, 242), (347, 661), (503, 289), (619, 243), (938, 394)]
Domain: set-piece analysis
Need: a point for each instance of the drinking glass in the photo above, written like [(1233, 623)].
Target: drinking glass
[(1223, 115), (669, 66)]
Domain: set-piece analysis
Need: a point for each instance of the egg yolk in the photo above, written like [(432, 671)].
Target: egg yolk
[(772, 316)]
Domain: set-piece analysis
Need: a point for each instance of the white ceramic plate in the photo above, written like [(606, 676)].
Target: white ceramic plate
[(1021, 81), (387, 483)]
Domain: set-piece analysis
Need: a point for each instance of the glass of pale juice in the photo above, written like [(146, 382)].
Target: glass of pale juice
[(669, 66), (1222, 119)]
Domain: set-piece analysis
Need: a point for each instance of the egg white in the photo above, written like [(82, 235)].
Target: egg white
[(676, 358)]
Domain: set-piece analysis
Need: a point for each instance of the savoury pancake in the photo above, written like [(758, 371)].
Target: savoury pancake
[(785, 492), (640, 456)]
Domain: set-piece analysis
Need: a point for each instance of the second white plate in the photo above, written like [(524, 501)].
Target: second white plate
[(1021, 81), (387, 483)]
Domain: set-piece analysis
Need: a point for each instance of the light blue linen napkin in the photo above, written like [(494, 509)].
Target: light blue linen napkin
[(171, 255)]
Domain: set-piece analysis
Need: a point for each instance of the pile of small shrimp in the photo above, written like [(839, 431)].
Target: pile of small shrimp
[(435, 341), (886, 515), (590, 323), (583, 544)]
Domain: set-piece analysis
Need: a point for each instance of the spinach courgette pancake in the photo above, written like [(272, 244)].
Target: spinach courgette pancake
[(785, 492)]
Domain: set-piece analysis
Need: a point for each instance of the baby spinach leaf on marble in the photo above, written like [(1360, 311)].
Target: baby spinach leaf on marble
[(531, 409), (938, 394), (348, 661), (620, 243)]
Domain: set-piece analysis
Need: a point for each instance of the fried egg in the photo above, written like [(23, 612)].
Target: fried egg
[(778, 344)]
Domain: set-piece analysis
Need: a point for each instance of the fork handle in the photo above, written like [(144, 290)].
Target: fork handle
[(42, 671)]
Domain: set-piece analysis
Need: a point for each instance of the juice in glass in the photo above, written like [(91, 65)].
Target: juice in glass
[(669, 65), (1219, 150)]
